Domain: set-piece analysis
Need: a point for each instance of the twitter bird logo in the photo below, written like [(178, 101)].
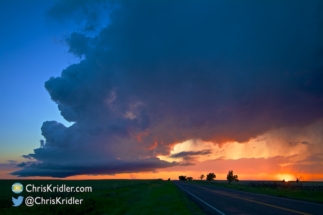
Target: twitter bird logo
[(16, 202)]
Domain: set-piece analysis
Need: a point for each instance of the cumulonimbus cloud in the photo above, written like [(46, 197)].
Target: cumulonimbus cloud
[(163, 72)]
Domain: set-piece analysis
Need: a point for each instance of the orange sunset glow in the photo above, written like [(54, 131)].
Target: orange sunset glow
[(261, 158)]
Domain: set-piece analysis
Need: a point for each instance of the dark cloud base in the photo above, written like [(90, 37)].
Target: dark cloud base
[(111, 168)]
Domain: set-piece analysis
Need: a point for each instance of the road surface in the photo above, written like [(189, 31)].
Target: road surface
[(216, 200)]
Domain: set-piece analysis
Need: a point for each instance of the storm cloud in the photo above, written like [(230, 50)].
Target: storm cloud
[(297, 143), (110, 167), (191, 153), (163, 72)]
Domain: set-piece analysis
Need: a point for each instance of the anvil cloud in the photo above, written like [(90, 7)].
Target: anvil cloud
[(163, 72)]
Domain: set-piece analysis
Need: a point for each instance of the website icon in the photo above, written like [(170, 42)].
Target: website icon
[(17, 188)]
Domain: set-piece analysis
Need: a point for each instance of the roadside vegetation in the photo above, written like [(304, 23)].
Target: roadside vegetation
[(306, 191), (312, 195), (108, 197), (231, 177)]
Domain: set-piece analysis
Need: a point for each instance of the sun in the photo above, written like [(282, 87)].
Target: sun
[(285, 176)]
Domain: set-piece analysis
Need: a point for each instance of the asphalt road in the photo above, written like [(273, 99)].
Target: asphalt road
[(216, 200)]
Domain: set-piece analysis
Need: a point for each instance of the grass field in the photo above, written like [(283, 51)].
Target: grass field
[(306, 195), (108, 197)]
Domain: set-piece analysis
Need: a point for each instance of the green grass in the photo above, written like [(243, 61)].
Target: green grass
[(108, 197), (306, 195)]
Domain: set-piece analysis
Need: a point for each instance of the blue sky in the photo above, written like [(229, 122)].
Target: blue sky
[(30, 54)]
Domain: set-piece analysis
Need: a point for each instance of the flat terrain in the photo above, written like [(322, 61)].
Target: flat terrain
[(108, 197), (306, 191), (218, 200)]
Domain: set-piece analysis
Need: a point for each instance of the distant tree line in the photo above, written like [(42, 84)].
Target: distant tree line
[(210, 177), (184, 178)]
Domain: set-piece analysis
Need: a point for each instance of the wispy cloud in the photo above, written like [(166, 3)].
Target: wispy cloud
[(298, 143), (11, 161), (191, 153), (27, 157)]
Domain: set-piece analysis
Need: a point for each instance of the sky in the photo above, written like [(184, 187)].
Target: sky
[(156, 89)]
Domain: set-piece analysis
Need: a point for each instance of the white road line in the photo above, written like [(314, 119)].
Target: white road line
[(203, 201), (258, 194)]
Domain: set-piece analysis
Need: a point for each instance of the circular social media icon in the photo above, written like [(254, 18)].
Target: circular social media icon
[(17, 188)]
